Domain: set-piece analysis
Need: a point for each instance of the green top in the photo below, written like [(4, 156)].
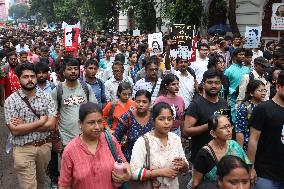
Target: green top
[(233, 149)]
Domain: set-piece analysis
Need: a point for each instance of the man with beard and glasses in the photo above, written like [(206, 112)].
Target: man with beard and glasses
[(30, 115), (201, 109), (9, 81), (42, 77), (73, 93)]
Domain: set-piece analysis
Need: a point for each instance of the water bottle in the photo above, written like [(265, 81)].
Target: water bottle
[(118, 169)]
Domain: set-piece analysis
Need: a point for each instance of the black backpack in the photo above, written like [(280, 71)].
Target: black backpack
[(59, 91)]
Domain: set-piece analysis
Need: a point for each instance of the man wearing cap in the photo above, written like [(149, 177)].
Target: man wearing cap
[(260, 63)]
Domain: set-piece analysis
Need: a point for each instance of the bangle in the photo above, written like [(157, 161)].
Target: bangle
[(151, 173)]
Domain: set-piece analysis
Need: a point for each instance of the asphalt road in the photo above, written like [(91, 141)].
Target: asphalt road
[(8, 179)]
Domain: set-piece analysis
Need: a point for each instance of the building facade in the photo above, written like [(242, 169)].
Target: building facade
[(248, 13)]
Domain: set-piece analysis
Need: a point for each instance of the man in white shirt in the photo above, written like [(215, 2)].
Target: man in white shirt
[(200, 65), (151, 82), (111, 85), (187, 81), (22, 46)]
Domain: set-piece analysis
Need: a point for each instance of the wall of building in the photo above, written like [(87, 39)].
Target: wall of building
[(256, 13), (3, 10)]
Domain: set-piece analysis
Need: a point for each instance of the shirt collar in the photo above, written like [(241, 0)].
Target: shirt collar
[(37, 93), (91, 83)]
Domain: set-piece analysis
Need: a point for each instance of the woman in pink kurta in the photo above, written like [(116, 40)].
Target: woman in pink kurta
[(168, 94), (87, 161)]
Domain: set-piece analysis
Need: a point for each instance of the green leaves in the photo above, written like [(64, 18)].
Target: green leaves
[(91, 13), (19, 10)]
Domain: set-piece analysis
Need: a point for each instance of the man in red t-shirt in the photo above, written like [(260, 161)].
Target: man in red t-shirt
[(9, 82)]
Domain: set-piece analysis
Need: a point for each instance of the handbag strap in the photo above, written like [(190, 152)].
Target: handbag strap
[(153, 88), (25, 99), (147, 145), (212, 153), (110, 144)]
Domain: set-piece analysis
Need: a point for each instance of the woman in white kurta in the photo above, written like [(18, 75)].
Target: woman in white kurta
[(167, 158)]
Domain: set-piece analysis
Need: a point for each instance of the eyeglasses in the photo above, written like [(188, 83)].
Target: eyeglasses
[(261, 90), (226, 127)]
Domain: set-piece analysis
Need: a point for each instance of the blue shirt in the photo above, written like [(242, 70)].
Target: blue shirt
[(48, 87), (129, 127), (98, 89), (235, 73)]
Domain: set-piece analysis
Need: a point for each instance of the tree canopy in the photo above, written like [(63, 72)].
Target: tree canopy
[(18, 11)]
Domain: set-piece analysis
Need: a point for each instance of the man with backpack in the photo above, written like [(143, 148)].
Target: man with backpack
[(69, 95), (258, 73), (9, 81)]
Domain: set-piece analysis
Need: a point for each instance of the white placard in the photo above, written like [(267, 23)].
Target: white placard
[(252, 36), (155, 42), (136, 32), (277, 18), (181, 51)]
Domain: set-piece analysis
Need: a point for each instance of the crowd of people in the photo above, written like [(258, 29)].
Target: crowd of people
[(75, 115)]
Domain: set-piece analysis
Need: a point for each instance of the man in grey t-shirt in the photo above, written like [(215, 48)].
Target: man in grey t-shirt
[(72, 97)]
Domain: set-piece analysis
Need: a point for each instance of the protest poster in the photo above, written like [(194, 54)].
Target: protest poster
[(277, 18), (136, 32), (155, 42), (182, 35), (181, 51), (252, 36), (71, 36)]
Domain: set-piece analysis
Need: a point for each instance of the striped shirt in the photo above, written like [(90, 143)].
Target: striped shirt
[(16, 107), (147, 85)]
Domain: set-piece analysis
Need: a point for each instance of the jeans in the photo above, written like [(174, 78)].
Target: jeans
[(263, 183)]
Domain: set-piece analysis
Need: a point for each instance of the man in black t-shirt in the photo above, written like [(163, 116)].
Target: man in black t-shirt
[(266, 143), (201, 109)]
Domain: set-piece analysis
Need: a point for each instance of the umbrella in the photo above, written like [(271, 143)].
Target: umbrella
[(220, 28)]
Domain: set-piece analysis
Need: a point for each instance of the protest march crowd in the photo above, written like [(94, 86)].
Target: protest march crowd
[(118, 113)]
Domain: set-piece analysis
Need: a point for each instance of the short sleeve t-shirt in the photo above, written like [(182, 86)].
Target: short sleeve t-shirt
[(201, 109), (268, 118), (70, 104), (178, 107)]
